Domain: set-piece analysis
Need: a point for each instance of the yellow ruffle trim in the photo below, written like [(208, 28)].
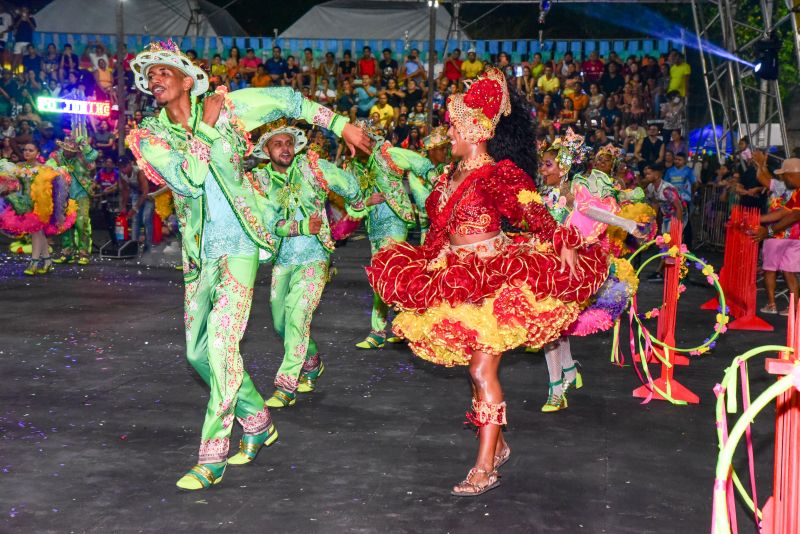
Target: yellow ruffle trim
[(163, 205), (42, 193), (626, 273), (638, 212), (443, 334)]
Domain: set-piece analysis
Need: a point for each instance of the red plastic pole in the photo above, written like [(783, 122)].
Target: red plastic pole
[(738, 274), (781, 514), (666, 332)]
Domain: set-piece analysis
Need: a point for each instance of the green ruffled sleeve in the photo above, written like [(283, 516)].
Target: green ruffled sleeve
[(346, 185), (256, 106), (419, 170), (184, 172)]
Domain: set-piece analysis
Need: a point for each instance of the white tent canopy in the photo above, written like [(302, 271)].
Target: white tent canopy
[(354, 19), (147, 17)]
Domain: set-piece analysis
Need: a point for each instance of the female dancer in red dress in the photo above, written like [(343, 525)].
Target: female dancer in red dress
[(473, 291)]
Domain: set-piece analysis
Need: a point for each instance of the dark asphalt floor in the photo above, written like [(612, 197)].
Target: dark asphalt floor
[(100, 415)]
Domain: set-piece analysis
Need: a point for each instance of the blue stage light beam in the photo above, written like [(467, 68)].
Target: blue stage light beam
[(641, 19)]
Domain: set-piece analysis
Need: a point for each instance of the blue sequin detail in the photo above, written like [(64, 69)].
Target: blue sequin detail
[(222, 233)]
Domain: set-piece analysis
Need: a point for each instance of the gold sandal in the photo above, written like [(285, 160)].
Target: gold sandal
[(503, 457), (467, 488)]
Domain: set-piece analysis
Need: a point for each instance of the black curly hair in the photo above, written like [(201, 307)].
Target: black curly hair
[(515, 137)]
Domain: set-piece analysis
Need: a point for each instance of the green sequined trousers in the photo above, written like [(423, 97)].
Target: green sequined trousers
[(295, 294), (380, 311), (78, 237), (217, 307)]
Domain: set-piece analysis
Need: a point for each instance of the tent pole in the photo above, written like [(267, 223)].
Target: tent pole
[(121, 89), (431, 49)]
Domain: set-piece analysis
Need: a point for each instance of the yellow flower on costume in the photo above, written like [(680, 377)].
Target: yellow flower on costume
[(667, 238), (708, 270), (526, 197), (673, 251), (722, 319)]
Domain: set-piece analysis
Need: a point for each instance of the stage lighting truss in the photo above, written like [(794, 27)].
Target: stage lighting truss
[(741, 106)]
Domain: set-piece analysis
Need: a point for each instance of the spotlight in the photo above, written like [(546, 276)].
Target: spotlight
[(766, 62), (544, 8)]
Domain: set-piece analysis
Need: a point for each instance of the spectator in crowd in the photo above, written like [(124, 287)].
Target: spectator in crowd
[(563, 68), (261, 78), (612, 82), (781, 250), (388, 67), (23, 27), (347, 67), (292, 76), (413, 69), (650, 150), (97, 53), (24, 135), (104, 81), (367, 66), (611, 117), (402, 129), (136, 187), (218, 69), (277, 67), (674, 114), (31, 62), (45, 138), (395, 95), (666, 199), (308, 72), (383, 110), (472, 66), (366, 96), (679, 73), (592, 68), (329, 70), (29, 115), (452, 66), (68, 62), (526, 84), (546, 114), (597, 102), (346, 103), (413, 94), (418, 118), (107, 187), (248, 65), (234, 68), (105, 139), (682, 177), (568, 116), (504, 64), (537, 66), (7, 150), (749, 189), (548, 83), (677, 143)]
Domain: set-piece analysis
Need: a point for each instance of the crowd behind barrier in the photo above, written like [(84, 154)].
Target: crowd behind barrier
[(630, 93)]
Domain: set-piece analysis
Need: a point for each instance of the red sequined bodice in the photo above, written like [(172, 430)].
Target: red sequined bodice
[(487, 195)]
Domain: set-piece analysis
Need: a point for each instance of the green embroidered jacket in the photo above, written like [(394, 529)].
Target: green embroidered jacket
[(305, 187), (167, 153), (383, 173)]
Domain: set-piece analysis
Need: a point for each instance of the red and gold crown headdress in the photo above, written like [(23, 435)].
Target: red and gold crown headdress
[(475, 114)]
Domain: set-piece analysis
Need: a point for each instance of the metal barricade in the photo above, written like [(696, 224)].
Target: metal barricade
[(713, 213)]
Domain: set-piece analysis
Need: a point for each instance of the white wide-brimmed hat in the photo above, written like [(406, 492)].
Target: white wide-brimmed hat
[(789, 165), (167, 53), (277, 128)]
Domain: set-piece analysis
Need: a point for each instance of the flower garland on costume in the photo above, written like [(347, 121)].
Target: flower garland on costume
[(644, 339), (237, 125), (313, 164)]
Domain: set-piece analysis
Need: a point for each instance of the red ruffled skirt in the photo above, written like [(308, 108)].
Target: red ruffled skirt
[(491, 296)]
